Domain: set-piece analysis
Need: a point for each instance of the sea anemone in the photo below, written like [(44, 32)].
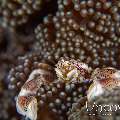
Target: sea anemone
[(85, 30), (16, 13), (110, 102), (102, 108), (12, 45), (10, 49), (7, 106), (44, 85), (58, 97), (79, 111)]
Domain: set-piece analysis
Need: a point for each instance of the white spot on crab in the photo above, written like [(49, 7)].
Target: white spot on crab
[(116, 75), (24, 92), (84, 66), (72, 74), (59, 73)]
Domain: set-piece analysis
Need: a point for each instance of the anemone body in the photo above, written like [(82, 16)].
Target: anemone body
[(87, 30)]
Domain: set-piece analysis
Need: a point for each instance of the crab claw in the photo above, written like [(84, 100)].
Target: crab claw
[(27, 106), (94, 91), (104, 73), (103, 79)]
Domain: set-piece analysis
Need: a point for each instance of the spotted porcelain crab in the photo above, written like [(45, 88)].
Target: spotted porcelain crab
[(67, 70)]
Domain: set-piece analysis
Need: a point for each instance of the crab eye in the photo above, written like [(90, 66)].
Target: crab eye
[(25, 109)]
